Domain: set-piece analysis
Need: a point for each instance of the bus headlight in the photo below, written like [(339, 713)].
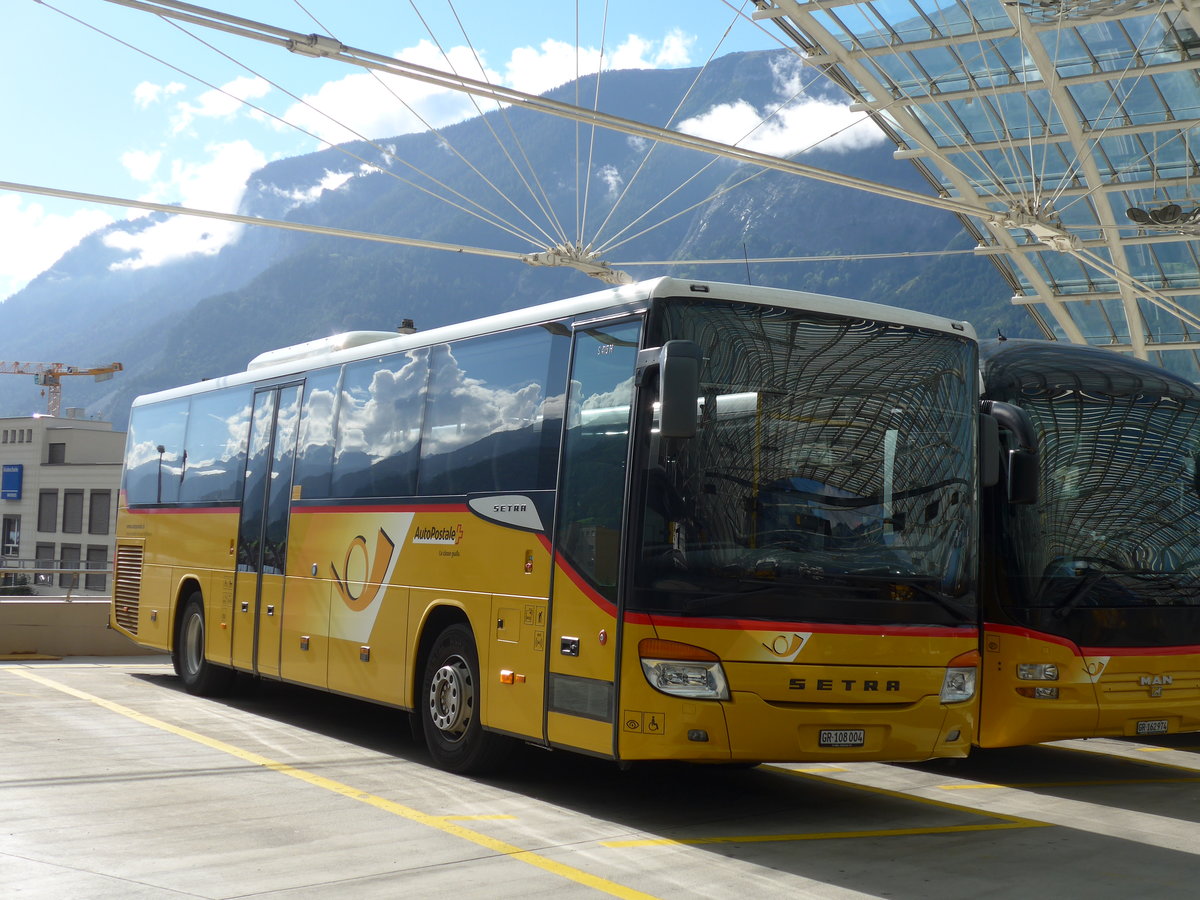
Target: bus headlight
[(959, 683), (1037, 671), (682, 670)]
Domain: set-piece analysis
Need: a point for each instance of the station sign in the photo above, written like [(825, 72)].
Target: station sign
[(10, 481)]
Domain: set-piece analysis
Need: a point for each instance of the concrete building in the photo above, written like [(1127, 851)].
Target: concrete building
[(58, 502)]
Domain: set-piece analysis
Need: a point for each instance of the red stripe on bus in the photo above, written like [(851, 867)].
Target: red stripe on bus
[(816, 627), (1180, 650)]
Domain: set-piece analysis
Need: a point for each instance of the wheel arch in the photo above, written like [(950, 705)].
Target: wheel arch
[(437, 618), (188, 585)]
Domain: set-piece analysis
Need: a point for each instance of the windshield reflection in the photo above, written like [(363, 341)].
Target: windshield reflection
[(1110, 553), (829, 479)]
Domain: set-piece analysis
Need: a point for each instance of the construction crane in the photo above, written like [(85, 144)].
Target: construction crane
[(50, 375)]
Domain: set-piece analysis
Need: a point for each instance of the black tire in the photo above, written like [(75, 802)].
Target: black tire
[(199, 676), (450, 703)]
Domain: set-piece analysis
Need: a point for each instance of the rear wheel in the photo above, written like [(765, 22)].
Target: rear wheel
[(451, 702), (199, 675)]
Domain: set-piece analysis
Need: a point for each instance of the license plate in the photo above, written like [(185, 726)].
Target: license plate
[(1152, 726), (844, 737)]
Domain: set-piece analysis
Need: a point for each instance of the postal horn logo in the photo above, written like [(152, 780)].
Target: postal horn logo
[(360, 592), (787, 646)]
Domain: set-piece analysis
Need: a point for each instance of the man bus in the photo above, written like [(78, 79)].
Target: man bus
[(1091, 604), (673, 520)]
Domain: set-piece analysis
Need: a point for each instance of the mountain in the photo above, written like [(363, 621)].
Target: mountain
[(207, 315)]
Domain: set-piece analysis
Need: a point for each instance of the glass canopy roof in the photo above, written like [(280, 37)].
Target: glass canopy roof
[(1069, 128)]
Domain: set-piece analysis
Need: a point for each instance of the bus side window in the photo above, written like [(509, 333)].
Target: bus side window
[(154, 452), (487, 405), (314, 453), (215, 449), (378, 426)]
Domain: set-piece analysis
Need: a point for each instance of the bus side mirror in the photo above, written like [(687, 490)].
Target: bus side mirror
[(989, 451), (1024, 461), (1022, 476), (678, 388)]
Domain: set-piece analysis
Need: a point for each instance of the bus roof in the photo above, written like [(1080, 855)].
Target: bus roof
[(628, 298)]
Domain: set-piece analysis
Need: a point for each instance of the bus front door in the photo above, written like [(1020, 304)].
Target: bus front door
[(263, 530), (583, 635)]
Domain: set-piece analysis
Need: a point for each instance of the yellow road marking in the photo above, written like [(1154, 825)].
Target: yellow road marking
[(1016, 821), (439, 822), (822, 769), (1102, 783), (823, 836), (472, 818), (1001, 822)]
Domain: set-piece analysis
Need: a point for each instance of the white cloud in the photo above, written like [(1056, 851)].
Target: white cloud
[(612, 179), (536, 70), (675, 49), (369, 105), (805, 123), (365, 105), (330, 181), (147, 93), (219, 104), (141, 165), (217, 184), (33, 239)]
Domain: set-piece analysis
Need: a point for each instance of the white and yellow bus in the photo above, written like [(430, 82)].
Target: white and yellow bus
[(672, 520)]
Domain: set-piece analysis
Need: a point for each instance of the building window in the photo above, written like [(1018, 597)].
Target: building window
[(5, 435), (99, 512), (48, 511), (10, 536), (44, 556), (72, 522), (97, 558), (58, 454), (68, 558)]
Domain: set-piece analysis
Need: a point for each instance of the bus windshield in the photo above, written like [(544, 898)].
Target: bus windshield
[(830, 478), (1114, 539)]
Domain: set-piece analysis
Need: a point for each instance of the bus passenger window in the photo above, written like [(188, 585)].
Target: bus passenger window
[(487, 405), (314, 454), (154, 452)]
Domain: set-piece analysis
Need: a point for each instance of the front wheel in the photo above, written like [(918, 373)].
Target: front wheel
[(199, 676), (450, 705)]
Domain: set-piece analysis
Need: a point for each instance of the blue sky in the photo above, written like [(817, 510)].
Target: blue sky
[(97, 116)]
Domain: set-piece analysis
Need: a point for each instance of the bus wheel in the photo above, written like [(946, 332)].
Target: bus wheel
[(450, 706), (199, 675)]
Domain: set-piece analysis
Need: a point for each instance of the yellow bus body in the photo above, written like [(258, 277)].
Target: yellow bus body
[(341, 627), (1104, 692)]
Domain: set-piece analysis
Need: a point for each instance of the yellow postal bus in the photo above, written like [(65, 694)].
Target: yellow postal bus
[(672, 520), (1091, 600)]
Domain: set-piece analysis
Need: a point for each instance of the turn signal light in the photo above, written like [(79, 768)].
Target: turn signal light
[(1039, 693)]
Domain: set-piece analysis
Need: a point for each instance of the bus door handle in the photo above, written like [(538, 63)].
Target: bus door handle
[(270, 609), (245, 606)]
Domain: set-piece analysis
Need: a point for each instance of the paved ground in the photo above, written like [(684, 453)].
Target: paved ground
[(114, 783)]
